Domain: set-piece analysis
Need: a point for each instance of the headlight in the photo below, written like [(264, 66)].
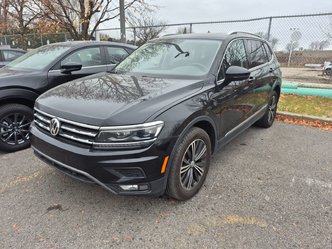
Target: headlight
[(128, 137)]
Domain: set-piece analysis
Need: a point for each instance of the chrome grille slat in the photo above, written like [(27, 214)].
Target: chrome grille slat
[(70, 130), (92, 127), (42, 125), (86, 141), (81, 132), (41, 118)]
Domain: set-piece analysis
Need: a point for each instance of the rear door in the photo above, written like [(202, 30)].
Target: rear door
[(91, 58), (260, 71), (235, 100)]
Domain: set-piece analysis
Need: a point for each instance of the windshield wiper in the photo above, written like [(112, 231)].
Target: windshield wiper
[(185, 53), (178, 48)]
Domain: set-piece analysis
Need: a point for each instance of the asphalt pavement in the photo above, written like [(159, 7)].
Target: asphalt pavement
[(269, 188)]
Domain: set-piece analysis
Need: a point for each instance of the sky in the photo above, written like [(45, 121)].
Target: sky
[(174, 11), (185, 11)]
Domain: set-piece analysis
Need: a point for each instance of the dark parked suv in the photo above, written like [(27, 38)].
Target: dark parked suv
[(150, 126)]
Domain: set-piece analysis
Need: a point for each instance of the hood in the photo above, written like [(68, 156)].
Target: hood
[(115, 99)]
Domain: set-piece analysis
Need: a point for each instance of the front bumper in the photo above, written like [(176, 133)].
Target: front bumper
[(110, 169)]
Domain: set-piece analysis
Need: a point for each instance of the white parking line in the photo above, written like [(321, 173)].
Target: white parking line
[(312, 182)]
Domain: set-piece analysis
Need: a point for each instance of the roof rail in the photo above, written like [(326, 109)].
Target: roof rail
[(247, 33)]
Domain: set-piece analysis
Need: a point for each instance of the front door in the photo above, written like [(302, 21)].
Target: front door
[(91, 60), (235, 100)]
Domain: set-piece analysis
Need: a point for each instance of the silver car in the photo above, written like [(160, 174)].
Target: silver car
[(327, 68)]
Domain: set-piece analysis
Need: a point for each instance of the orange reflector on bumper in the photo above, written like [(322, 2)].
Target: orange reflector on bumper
[(163, 168)]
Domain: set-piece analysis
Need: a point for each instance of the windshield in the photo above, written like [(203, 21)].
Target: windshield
[(178, 57), (38, 59)]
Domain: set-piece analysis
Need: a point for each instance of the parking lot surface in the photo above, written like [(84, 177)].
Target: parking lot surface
[(269, 188)]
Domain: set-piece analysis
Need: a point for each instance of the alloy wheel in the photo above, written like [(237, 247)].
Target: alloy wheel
[(272, 109), (14, 129), (193, 164)]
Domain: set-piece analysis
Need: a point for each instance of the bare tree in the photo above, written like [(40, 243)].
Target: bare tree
[(319, 45), (292, 46), (323, 45), (81, 18), (3, 16), (314, 45), (273, 40), (22, 14), (146, 27)]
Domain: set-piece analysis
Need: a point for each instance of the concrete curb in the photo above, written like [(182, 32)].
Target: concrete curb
[(310, 84), (305, 117)]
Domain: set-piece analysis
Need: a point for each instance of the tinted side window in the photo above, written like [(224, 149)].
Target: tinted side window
[(268, 51), (11, 55), (235, 55), (116, 54), (87, 57), (256, 53)]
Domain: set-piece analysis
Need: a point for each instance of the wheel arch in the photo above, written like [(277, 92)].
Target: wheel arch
[(204, 122), (18, 96), (210, 130), (22, 101)]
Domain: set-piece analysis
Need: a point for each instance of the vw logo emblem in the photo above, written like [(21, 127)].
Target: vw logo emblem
[(54, 127)]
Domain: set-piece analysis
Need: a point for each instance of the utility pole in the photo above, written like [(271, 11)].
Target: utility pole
[(122, 21)]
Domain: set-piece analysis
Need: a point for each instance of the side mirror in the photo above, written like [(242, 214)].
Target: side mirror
[(235, 73), (70, 67)]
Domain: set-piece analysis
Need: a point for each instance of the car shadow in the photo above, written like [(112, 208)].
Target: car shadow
[(74, 192)]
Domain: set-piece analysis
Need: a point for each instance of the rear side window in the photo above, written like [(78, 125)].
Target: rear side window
[(235, 55), (11, 55), (116, 54), (256, 53)]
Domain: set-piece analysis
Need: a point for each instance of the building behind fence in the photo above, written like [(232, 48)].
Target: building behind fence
[(297, 39)]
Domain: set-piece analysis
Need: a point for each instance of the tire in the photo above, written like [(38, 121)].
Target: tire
[(328, 71), (267, 120), (15, 120), (183, 186)]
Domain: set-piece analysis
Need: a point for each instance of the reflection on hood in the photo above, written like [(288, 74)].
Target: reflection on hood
[(108, 87)]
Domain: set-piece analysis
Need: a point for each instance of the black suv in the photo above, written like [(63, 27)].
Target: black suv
[(25, 78), (150, 126)]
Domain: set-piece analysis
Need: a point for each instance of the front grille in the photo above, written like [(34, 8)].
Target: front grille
[(70, 130)]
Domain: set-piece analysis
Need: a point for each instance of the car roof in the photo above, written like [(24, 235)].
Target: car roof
[(13, 49), (209, 36), (78, 44)]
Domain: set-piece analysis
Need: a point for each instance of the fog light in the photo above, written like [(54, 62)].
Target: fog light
[(129, 187), (144, 187)]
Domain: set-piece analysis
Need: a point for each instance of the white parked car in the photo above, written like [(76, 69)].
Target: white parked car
[(327, 67)]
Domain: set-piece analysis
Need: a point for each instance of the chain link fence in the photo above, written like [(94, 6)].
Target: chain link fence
[(302, 43), (33, 40), (299, 41)]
